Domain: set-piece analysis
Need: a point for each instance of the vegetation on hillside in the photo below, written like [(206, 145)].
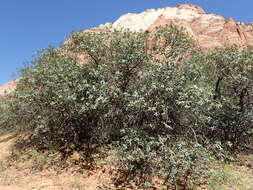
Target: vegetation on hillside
[(166, 108)]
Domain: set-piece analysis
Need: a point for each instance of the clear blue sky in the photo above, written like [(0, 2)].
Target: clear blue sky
[(31, 25)]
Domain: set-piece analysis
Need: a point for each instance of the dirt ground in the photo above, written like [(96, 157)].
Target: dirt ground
[(20, 176)]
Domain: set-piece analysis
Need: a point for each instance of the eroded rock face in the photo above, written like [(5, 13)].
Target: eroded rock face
[(195, 8), (144, 20), (7, 88), (208, 30)]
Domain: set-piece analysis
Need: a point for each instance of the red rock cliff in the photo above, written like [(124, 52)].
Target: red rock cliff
[(208, 30)]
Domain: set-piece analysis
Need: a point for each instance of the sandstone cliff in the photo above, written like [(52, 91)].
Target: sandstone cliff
[(7, 88), (208, 30)]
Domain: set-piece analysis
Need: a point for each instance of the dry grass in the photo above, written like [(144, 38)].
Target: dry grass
[(231, 177)]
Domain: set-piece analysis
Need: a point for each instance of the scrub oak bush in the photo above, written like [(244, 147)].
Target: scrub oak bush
[(173, 160), (2, 112), (163, 104), (230, 72)]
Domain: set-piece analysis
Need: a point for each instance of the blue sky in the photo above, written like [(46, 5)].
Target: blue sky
[(27, 26)]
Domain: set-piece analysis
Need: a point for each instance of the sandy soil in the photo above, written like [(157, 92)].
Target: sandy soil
[(20, 176)]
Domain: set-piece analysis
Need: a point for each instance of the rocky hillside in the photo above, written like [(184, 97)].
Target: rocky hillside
[(7, 88), (208, 30)]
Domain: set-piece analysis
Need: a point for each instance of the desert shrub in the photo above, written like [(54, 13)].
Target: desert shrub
[(74, 105), (123, 56), (155, 97), (4, 115), (172, 41), (167, 113), (2, 106), (56, 99), (229, 72), (144, 157)]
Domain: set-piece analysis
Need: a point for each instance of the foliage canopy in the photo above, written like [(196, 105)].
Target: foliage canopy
[(165, 105)]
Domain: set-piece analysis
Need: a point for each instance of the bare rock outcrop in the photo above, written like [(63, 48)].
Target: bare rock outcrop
[(208, 30), (7, 88)]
